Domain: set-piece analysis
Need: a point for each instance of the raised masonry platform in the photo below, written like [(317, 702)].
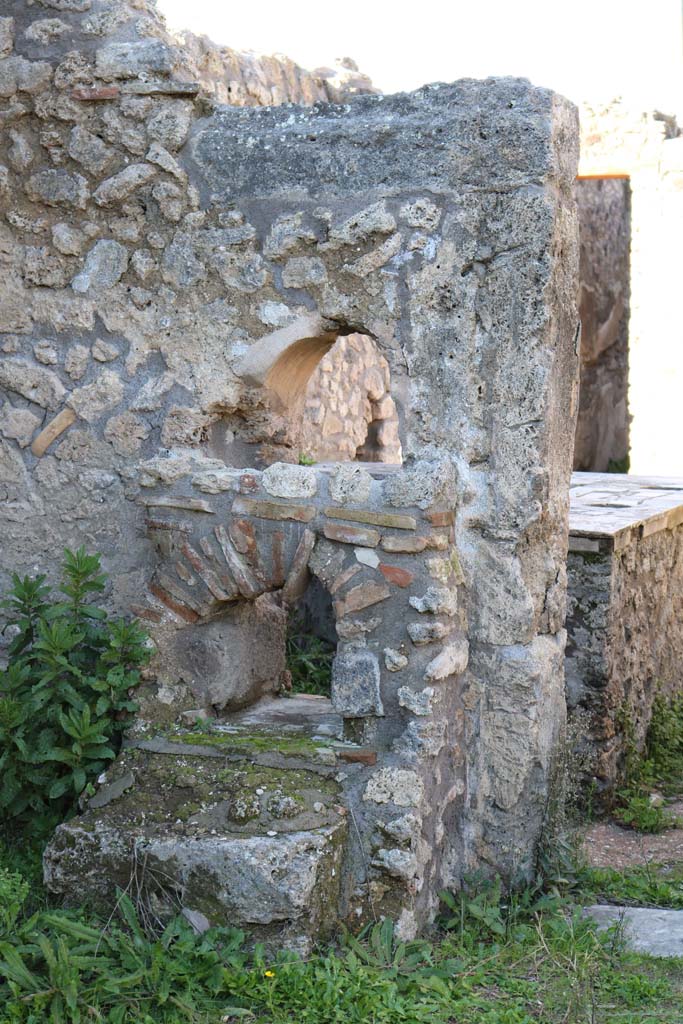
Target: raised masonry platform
[(624, 611), (609, 511)]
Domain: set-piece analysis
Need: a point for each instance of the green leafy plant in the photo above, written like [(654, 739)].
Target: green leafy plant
[(65, 696), (305, 459), (638, 812), (660, 767), (309, 660)]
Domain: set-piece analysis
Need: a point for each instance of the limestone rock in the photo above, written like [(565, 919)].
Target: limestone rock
[(420, 702), (436, 601), (451, 661), (104, 352), (126, 433), (68, 240), (32, 382), (18, 424), (356, 683), (395, 785), (350, 485), (123, 184), (20, 75), (6, 36), (92, 400), (303, 271), (171, 125), (90, 151), (76, 361), (394, 660), (284, 480), (128, 60), (105, 265), (45, 30), (58, 188)]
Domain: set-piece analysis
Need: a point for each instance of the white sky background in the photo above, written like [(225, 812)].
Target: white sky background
[(586, 49)]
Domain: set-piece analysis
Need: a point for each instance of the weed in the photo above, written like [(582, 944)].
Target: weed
[(309, 660), (65, 694)]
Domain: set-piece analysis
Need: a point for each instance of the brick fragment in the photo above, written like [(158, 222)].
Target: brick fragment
[(394, 521), (94, 94), (443, 518), (392, 573), (362, 596), (273, 510), (246, 581), (368, 757), (406, 545), (298, 577), (344, 578), (175, 606), (364, 538)]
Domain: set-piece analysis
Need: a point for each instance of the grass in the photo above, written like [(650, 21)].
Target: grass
[(526, 959)]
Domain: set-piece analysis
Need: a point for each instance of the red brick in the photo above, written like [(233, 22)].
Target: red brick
[(248, 483), (357, 535), (368, 757), (94, 93), (444, 518), (170, 602), (392, 573)]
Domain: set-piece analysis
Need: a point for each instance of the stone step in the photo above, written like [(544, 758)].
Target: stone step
[(220, 838)]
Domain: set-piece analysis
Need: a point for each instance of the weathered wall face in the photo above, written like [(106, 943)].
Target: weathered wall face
[(625, 640), (605, 233), (647, 147), (172, 276)]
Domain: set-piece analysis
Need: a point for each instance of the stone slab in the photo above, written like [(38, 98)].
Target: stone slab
[(619, 509), (655, 931)]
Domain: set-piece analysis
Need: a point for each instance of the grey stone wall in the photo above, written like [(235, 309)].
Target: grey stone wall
[(625, 639), (625, 645), (604, 269), (172, 274)]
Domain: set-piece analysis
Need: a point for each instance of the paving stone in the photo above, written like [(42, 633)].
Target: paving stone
[(655, 931)]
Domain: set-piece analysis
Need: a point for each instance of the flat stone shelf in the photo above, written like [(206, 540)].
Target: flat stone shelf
[(304, 714), (609, 511)]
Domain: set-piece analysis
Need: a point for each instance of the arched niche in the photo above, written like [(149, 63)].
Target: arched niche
[(334, 389)]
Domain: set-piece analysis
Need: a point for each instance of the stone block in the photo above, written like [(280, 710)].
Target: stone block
[(356, 684)]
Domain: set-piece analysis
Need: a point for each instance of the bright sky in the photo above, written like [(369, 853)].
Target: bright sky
[(583, 48)]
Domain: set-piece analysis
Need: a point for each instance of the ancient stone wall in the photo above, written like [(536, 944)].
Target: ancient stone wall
[(625, 638), (618, 140), (605, 231), (173, 274)]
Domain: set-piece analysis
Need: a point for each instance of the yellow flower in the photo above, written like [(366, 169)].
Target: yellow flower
[(269, 974)]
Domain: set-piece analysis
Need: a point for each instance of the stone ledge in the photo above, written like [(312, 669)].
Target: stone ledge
[(609, 511)]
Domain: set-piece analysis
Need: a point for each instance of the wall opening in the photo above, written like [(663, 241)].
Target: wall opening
[(348, 411), (311, 642)]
